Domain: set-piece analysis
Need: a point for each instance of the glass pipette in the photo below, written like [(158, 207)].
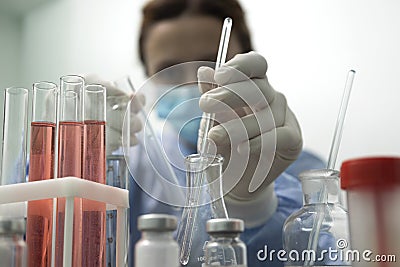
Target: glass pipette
[(315, 231), (185, 234), (221, 57), (210, 117), (340, 120)]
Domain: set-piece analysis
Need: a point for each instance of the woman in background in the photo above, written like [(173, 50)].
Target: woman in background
[(178, 31)]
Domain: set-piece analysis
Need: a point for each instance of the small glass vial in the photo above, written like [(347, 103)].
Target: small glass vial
[(12, 244), (225, 247), (157, 246), (318, 234)]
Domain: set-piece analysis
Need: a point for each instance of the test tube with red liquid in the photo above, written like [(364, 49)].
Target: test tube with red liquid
[(94, 169), (70, 143), (41, 167)]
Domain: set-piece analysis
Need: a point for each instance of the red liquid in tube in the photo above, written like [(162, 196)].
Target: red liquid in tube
[(69, 164), (40, 212), (94, 213), (82, 154)]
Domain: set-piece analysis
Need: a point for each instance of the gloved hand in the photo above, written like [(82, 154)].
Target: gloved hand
[(256, 132), (117, 101)]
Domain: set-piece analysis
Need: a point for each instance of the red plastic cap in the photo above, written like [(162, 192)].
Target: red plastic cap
[(370, 172)]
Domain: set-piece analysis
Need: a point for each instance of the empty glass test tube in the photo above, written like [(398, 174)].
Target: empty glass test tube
[(41, 167), (13, 152), (15, 125), (13, 170)]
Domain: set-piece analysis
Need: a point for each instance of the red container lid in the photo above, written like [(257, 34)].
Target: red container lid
[(370, 172)]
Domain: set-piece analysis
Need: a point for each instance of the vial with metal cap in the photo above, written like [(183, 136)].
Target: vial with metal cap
[(12, 244), (225, 247), (157, 246)]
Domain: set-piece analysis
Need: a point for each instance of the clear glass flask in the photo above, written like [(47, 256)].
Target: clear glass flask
[(203, 202), (225, 247), (318, 234), (156, 246), (94, 169), (12, 244), (41, 167), (70, 141)]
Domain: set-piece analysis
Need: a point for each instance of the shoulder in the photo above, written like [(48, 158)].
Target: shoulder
[(288, 186)]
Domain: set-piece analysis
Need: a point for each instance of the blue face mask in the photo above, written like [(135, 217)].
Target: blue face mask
[(180, 107)]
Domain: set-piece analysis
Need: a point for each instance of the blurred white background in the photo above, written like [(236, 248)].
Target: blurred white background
[(310, 46)]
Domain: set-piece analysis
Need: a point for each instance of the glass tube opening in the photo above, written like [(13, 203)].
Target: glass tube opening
[(95, 102), (44, 102)]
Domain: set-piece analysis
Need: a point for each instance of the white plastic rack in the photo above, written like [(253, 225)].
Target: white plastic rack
[(70, 188)]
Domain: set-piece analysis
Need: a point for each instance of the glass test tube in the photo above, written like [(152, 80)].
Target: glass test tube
[(13, 152), (13, 170), (94, 169), (70, 162), (41, 167), (117, 175), (15, 124)]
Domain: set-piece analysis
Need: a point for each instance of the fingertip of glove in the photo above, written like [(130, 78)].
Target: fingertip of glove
[(207, 103), (223, 75), (218, 135), (241, 67), (205, 78), (204, 73)]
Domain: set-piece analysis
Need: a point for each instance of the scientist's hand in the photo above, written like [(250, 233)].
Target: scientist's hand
[(256, 132), (117, 101)]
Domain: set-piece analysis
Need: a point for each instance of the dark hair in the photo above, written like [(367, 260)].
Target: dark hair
[(158, 10)]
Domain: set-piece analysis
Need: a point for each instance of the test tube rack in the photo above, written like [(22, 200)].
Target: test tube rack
[(70, 188)]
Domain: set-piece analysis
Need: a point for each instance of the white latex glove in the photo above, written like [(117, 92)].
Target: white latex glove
[(258, 134), (117, 101)]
